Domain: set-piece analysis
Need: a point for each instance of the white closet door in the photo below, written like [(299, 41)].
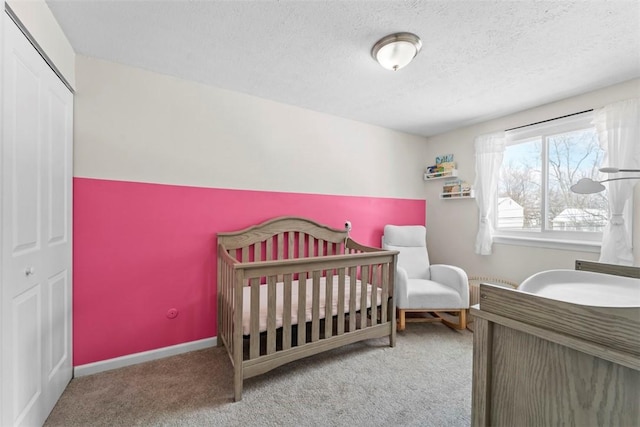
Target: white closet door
[(36, 223)]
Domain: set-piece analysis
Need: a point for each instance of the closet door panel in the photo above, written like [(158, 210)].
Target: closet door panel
[(27, 354), (56, 253), (22, 217), (24, 141), (58, 343), (58, 168), (36, 196)]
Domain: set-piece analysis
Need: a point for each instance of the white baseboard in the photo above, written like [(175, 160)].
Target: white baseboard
[(145, 356)]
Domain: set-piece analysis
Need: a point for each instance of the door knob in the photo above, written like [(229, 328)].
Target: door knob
[(29, 271)]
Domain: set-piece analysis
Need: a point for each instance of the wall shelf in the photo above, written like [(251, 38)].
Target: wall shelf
[(458, 195), (441, 175)]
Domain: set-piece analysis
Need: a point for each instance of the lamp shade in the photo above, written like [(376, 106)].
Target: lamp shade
[(395, 51), (587, 186)]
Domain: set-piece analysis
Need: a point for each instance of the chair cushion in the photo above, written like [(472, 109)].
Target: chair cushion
[(411, 242), (405, 235), (425, 294), (414, 260)]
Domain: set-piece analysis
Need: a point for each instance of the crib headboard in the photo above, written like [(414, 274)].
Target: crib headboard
[(283, 238)]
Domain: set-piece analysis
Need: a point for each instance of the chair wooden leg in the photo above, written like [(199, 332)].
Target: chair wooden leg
[(462, 321), (461, 324), (401, 320)]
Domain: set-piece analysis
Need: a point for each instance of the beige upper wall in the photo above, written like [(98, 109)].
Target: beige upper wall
[(452, 224), (37, 18), (136, 125)]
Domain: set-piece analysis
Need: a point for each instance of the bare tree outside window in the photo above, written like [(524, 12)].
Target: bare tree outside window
[(535, 179), (572, 156), (521, 182)]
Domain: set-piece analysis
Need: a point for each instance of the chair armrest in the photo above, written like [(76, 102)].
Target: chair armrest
[(454, 277), (400, 291)]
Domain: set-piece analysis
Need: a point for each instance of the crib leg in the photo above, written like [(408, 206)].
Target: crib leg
[(392, 337), (238, 376), (237, 387)]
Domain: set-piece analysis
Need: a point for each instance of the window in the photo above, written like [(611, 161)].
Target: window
[(540, 164)]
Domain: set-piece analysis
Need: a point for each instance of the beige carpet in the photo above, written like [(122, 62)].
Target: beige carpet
[(424, 381)]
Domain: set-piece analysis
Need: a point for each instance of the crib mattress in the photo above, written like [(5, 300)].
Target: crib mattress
[(246, 308)]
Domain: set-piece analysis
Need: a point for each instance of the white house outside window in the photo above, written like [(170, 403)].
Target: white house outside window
[(540, 164)]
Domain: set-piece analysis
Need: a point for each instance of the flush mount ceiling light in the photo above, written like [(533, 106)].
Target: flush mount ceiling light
[(395, 51)]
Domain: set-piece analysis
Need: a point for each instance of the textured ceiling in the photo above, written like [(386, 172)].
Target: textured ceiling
[(480, 59)]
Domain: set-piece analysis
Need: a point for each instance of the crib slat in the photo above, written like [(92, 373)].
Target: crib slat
[(311, 246), (341, 286), (385, 292), (300, 245), (254, 337), (330, 248), (301, 278), (269, 254), (280, 251), (315, 308), (374, 294), (292, 245), (320, 247), (271, 314), (328, 306), (280, 238), (352, 297), (302, 304), (364, 282), (286, 313), (258, 251), (245, 254)]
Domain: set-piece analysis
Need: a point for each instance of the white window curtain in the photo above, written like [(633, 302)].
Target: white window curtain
[(618, 127), (489, 154)]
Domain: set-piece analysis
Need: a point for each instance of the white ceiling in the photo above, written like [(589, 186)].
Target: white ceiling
[(480, 59)]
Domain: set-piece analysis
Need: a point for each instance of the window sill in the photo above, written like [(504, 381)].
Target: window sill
[(539, 242)]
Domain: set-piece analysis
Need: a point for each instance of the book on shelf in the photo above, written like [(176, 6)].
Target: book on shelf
[(451, 186), (444, 166), (455, 188), (440, 169), (465, 188)]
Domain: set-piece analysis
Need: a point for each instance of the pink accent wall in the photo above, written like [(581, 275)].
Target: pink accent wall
[(142, 249)]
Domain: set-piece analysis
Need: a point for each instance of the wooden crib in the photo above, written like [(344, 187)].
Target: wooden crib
[(284, 293)]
